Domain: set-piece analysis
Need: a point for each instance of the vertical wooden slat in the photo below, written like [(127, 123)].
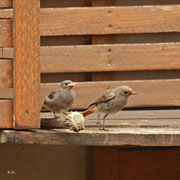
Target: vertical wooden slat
[(102, 163), (27, 63), (105, 39)]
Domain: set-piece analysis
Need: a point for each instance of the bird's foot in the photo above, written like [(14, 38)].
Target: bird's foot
[(56, 118), (103, 129), (98, 123)]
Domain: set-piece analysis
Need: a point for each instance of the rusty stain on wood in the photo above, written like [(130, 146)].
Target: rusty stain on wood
[(26, 64)]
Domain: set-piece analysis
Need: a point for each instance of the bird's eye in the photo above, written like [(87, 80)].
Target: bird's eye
[(125, 92)]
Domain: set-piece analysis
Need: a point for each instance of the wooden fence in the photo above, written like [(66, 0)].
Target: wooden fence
[(86, 44)]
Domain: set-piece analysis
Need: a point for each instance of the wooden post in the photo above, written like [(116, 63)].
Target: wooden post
[(26, 64), (103, 39)]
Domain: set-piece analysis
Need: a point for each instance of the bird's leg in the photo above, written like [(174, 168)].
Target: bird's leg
[(65, 113), (55, 117), (103, 128), (98, 121)]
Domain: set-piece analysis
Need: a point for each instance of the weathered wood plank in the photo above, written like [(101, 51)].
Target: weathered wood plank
[(151, 92), (91, 137), (6, 114), (143, 163), (6, 73), (6, 93), (118, 57), (6, 31), (27, 63), (110, 20), (6, 13), (131, 115), (131, 119), (6, 3), (168, 92)]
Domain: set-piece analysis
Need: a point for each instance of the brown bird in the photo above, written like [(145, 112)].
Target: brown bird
[(111, 102), (61, 99)]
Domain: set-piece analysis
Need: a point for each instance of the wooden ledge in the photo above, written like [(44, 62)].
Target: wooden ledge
[(94, 137), (136, 128)]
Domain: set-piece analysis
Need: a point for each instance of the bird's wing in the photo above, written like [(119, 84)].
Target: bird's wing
[(106, 97), (50, 97)]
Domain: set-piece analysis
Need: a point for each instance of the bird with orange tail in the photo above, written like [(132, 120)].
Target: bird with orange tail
[(110, 103)]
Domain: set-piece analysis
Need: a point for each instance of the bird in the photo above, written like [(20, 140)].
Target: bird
[(61, 99), (111, 102)]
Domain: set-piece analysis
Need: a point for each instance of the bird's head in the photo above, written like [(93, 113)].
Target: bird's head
[(125, 91), (67, 84)]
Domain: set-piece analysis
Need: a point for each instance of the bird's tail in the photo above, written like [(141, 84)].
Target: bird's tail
[(88, 111)]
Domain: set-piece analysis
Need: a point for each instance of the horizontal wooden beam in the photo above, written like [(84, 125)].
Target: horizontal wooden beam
[(151, 92), (169, 117), (81, 21), (118, 57), (6, 13), (110, 20), (6, 3), (92, 137), (126, 119)]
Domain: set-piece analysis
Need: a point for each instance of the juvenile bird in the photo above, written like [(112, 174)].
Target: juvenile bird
[(111, 102), (61, 99)]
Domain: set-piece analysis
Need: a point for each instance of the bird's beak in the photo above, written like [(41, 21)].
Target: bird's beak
[(72, 84), (134, 93)]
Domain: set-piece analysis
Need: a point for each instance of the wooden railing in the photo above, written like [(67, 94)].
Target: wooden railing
[(22, 58)]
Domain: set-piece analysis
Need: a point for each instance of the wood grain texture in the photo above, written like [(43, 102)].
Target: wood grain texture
[(6, 31), (6, 3), (6, 93), (117, 57), (110, 20), (132, 119), (6, 114), (26, 64), (150, 92), (133, 163), (6, 73), (107, 39), (6, 13), (132, 57), (95, 137), (7, 53)]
